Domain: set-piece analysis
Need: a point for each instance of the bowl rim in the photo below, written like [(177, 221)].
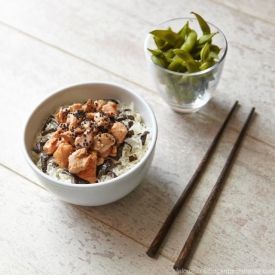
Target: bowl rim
[(220, 61), (99, 184)]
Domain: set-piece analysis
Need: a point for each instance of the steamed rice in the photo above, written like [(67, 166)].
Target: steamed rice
[(133, 146)]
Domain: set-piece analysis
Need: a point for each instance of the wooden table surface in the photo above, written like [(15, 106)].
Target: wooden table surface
[(49, 44)]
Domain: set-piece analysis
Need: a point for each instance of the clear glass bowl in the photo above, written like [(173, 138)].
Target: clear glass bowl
[(186, 92)]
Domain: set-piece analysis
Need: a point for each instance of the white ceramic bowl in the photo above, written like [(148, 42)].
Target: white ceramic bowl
[(98, 193)]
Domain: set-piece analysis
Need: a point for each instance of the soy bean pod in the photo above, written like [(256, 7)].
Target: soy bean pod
[(205, 38), (190, 41), (209, 63), (175, 65), (156, 52), (203, 24), (169, 53), (215, 48), (159, 42), (190, 63), (204, 53), (166, 35), (213, 55), (160, 61)]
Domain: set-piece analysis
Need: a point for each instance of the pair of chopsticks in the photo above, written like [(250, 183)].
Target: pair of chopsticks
[(179, 264)]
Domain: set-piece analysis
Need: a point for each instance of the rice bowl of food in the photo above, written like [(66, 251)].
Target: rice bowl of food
[(91, 143)]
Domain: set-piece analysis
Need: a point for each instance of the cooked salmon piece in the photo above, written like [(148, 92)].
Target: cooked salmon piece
[(86, 125), (62, 127), (85, 140), (101, 119), (112, 151), (78, 161), (51, 145), (62, 154), (100, 160), (119, 131), (89, 106), (68, 136), (99, 104), (78, 131), (75, 107), (89, 174), (102, 142), (61, 116), (110, 109), (90, 115), (72, 120)]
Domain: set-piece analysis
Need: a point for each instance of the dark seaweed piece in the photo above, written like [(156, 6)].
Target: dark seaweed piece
[(111, 174), (54, 164), (123, 117), (44, 162), (130, 124), (124, 110), (75, 178), (129, 145), (130, 134), (133, 157), (49, 120), (143, 137), (48, 131), (112, 100), (39, 145), (105, 167), (119, 151)]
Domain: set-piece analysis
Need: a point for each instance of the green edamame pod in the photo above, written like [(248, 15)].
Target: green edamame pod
[(166, 35), (156, 52), (215, 48), (190, 63), (175, 65), (204, 53), (205, 38), (213, 55), (190, 41), (159, 42), (169, 53), (203, 24), (209, 63), (160, 61)]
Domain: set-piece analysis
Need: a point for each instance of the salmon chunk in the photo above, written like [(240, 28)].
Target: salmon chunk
[(112, 151), (75, 107), (99, 104), (61, 116), (72, 121), (68, 137), (101, 119), (89, 106), (78, 161), (119, 131), (110, 109), (102, 142), (51, 145), (62, 154), (89, 173), (85, 140)]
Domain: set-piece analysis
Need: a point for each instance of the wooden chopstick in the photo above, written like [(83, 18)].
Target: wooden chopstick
[(152, 250), (205, 211)]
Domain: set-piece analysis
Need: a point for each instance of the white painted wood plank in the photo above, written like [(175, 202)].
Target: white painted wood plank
[(263, 9)]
